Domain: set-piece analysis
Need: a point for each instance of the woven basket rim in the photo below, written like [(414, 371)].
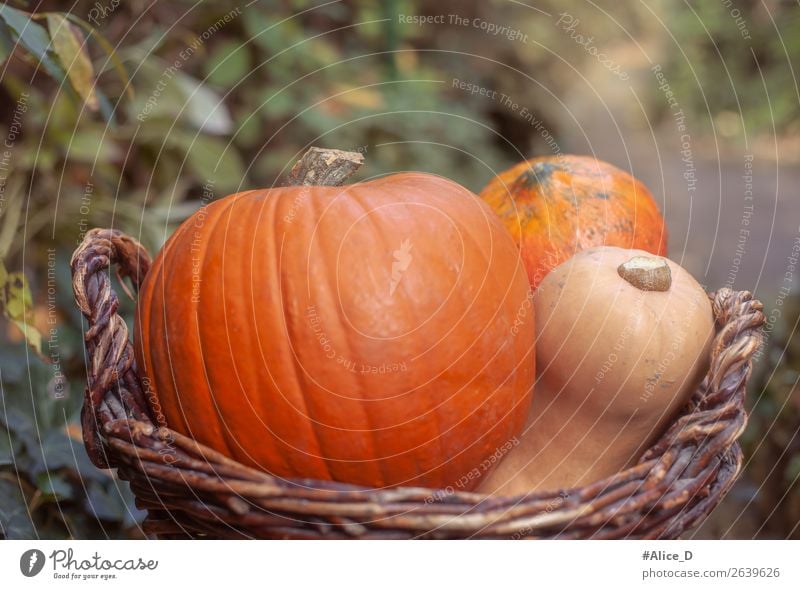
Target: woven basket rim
[(190, 490)]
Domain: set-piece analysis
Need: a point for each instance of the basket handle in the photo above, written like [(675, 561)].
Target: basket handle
[(110, 358), (720, 398), (740, 318)]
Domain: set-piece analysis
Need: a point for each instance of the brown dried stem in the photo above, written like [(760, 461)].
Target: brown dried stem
[(324, 167)]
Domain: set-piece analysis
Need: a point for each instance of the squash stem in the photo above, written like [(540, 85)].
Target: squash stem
[(324, 167), (647, 273)]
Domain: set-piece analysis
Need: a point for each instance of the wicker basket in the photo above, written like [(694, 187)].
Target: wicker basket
[(191, 491)]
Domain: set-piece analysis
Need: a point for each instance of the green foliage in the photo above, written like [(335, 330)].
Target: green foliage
[(738, 61), (68, 45), (16, 303), (34, 38), (48, 487), (60, 49)]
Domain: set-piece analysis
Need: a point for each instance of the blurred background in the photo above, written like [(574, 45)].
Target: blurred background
[(126, 113)]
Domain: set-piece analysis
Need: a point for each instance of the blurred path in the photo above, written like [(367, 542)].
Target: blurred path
[(729, 230)]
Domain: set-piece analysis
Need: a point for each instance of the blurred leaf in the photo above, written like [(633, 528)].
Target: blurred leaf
[(109, 49), (58, 450), (262, 29), (210, 159), (146, 47), (177, 95), (11, 217), (54, 485), (249, 129), (792, 474), (12, 364), (6, 42), (17, 296), (71, 49), (17, 303), (92, 144), (20, 424), (276, 102), (105, 505), (273, 163), (34, 38), (32, 335), (228, 65), (15, 523), (6, 455), (42, 160), (106, 108), (367, 98), (23, 439), (203, 107), (323, 50)]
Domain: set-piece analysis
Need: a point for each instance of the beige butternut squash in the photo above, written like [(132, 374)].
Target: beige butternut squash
[(623, 338)]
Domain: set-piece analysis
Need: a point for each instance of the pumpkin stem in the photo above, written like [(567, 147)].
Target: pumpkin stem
[(647, 273), (324, 167)]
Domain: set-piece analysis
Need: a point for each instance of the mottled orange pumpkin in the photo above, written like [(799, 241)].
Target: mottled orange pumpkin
[(556, 206), (378, 333)]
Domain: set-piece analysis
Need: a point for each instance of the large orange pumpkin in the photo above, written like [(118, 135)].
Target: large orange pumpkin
[(556, 206), (379, 333)]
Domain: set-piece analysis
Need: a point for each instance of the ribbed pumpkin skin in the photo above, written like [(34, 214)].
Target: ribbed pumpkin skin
[(305, 353), (555, 207)]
